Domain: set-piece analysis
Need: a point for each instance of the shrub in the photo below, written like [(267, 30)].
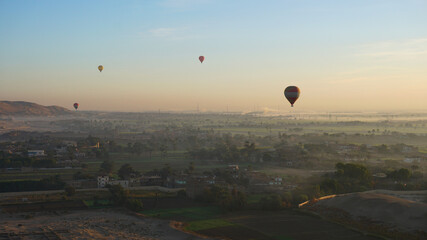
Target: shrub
[(134, 204), (301, 198), (182, 193), (273, 202), (70, 190)]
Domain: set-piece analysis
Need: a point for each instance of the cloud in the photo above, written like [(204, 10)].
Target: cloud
[(179, 33), (163, 32), (409, 48), (370, 74), (183, 3)]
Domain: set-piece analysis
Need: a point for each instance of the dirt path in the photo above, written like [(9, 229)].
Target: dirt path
[(89, 224), (7, 195)]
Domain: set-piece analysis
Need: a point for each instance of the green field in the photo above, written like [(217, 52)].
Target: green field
[(207, 224), (187, 214), (259, 225)]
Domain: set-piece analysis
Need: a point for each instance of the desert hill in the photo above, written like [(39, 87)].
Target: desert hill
[(376, 208), (20, 108)]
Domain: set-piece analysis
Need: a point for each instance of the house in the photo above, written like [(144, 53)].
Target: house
[(83, 183), (79, 155), (61, 150), (123, 183), (234, 170), (69, 143), (379, 175), (103, 181), (36, 153), (345, 149), (151, 181), (276, 181), (412, 160)]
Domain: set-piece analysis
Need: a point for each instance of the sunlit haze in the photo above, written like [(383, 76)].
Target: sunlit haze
[(344, 55)]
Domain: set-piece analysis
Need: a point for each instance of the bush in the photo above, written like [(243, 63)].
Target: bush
[(273, 202), (70, 190), (301, 198), (182, 193), (119, 195), (134, 205), (287, 198)]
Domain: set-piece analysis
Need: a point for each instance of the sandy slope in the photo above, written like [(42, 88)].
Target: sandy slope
[(91, 224), (403, 214)]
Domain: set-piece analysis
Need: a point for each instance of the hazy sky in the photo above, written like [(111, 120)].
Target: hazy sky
[(344, 55)]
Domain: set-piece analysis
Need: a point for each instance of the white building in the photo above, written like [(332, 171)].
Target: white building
[(276, 181), (36, 153), (412, 160), (123, 183), (103, 181)]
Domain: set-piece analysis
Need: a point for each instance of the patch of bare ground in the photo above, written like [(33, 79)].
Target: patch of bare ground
[(88, 224), (181, 227), (386, 215), (292, 225)]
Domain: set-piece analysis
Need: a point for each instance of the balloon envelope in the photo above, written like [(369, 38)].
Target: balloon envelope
[(201, 59), (100, 68), (292, 94), (76, 105)]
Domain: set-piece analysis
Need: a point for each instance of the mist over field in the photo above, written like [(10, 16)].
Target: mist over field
[(198, 168)]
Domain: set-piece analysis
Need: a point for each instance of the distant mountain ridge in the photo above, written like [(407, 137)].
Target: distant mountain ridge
[(21, 108)]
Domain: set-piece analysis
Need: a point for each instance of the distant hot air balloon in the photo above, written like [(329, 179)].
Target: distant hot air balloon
[(100, 68), (201, 59), (76, 105), (292, 94)]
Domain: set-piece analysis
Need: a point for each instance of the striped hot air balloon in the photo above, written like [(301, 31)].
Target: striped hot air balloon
[(292, 94)]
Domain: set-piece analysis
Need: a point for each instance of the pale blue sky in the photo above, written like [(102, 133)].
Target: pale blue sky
[(344, 55)]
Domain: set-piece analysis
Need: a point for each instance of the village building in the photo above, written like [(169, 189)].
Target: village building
[(123, 183), (36, 153), (103, 181)]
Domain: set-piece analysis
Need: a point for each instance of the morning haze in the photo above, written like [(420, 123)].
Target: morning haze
[(213, 119)]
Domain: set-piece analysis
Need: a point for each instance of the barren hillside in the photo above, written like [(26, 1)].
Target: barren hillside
[(20, 108)]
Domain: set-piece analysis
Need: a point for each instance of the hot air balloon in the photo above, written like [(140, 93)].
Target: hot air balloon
[(76, 105), (201, 59), (100, 68), (292, 94)]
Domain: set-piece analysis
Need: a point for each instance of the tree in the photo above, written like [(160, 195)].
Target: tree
[(191, 168), (125, 171), (134, 204), (287, 198), (138, 148), (84, 166), (329, 186), (107, 167), (119, 195), (352, 171), (166, 171), (248, 150), (382, 148), (70, 190), (348, 178), (301, 198), (266, 157), (415, 167), (163, 150), (400, 175), (272, 202)]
